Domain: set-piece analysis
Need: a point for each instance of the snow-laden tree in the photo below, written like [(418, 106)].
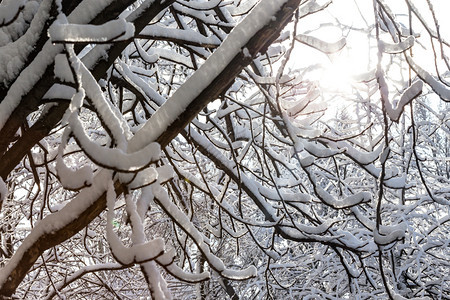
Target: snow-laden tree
[(189, 150)]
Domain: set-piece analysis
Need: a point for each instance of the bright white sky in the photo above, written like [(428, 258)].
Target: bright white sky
[(338, 69)]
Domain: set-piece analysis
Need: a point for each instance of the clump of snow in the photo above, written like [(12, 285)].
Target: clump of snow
[(70, 177), (246, 52), (408, 95), (138, 252), (59, 91), (301, 127), (242, 9), (438, 87), (148, 58), (298, 105), (185, 276), (385, 154), (310, 7), (188, 35), (307, 161), (140, 179), (344, 203), (397, 47), (389, 234), (200, 5), (109, 113), (112, 31), (140, 84), (320, 45)]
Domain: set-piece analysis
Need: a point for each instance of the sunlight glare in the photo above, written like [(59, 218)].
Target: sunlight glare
[(338, 74)]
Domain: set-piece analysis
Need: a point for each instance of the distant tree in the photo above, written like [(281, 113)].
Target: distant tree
[(188, 150)]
